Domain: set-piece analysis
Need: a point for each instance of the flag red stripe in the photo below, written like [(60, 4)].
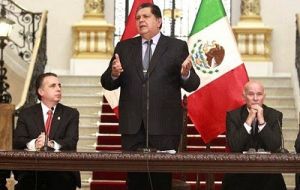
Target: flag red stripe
[(130, 28), (207, 106), (116, 111)]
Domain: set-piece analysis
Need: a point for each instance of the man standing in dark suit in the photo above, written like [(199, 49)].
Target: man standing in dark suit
[(257, 127), (51, 124), (150, 97)]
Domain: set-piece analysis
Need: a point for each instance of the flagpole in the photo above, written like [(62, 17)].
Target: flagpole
[(173, 19), (126, 10)]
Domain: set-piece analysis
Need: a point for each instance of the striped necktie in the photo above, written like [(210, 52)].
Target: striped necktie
[(48, 122), (147, 57)]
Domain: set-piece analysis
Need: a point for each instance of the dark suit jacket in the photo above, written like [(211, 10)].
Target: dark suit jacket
[(239, 140), (165, 83), (64, 129), (268, 139), (297, 176), (297, 143)]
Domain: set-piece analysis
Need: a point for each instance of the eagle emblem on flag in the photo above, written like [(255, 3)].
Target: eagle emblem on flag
[(207, 56)]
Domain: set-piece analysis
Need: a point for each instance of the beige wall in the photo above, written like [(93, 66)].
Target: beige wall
[(280, 16), (277, 14)]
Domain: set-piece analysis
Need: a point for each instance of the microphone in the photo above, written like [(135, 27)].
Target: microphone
[(281, 149)]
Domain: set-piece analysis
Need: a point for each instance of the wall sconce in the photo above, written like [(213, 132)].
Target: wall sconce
[(5, 29)]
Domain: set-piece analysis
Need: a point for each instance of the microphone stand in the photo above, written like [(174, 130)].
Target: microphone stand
[(45, 147), (282, 149), (147, 149)]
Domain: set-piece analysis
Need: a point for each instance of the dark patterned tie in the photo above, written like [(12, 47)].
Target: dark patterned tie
[(147, 57), (254, 126)]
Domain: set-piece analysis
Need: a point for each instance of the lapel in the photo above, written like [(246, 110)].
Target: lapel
[(136, 47), (266, 112), (161, 47), (244, 113), (38, 120), (56, 120)]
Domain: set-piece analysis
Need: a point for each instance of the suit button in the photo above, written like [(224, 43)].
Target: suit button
[(144, 85)]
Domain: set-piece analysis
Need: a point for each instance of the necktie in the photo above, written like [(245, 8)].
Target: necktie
[(254, 126), (147, 57), (48, 122)]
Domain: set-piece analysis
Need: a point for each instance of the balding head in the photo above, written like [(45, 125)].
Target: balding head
[(254, 93)]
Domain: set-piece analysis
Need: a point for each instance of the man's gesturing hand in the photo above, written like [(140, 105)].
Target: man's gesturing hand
[(186, 66), (116, 67)]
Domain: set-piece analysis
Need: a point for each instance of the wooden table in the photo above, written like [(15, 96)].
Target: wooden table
[(134, 161)]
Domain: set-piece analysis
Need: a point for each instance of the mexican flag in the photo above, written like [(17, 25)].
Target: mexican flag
[(130, 31), (217, 61)]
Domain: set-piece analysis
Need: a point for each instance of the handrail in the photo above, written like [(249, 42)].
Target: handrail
[(33, 60)]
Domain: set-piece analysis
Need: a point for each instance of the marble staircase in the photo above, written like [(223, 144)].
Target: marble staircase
[(85, 94)]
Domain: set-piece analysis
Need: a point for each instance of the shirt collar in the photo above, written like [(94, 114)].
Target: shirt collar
[(45, 108), (154, 39)]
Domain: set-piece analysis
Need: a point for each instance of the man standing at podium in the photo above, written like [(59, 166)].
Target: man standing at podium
[(150, 70), (47, 125), (254, 127)]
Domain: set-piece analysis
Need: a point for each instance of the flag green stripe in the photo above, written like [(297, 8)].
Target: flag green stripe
[(208, 12)]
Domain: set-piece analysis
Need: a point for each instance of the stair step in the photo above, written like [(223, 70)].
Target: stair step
[(108, 147), (196, 140), (108, 185), (74, 79), (106, 108), (109, 175), (278, 90), (86, 175), (81, 99), (274, 81), (88, 109), (84, 88), (289, 122), (109, 140), (86, 120), (88, 130), (289, 179), (108, 118), (87, 140), (109, 129), (273, 101), (121, 185), (85, 186), (289, 112)]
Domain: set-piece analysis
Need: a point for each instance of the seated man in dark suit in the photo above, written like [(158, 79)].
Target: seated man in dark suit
[(254, 126), (51, 124), (297, 177)]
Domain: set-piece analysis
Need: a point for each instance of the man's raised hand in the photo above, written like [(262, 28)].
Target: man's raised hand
[(116, 67), (186, 66)]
